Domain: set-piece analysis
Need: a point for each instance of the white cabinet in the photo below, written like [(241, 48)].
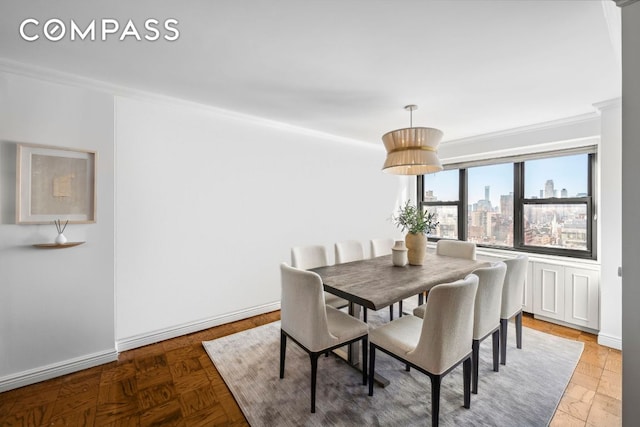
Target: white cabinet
[(581, 294), (549, 293), (565, 293)]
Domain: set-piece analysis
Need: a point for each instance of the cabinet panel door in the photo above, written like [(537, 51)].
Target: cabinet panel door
[(549, 293), (527, 296), (582, 297)]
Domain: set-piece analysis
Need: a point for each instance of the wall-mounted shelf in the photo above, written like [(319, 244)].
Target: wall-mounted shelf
[(56, 245)]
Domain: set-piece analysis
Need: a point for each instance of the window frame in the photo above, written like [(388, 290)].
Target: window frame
[(519, 203), (462, 190)]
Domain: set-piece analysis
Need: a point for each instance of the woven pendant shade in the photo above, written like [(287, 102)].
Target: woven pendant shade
[(412, 151)]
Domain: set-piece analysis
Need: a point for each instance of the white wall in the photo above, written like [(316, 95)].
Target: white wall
[(208, 204), (630, 209), (56, 306), (610, 224)]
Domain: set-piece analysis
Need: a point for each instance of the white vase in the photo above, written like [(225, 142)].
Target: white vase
[(399, 254), (60, 239)]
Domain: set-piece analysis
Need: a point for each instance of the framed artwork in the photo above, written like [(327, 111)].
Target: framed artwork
[(55, 183)]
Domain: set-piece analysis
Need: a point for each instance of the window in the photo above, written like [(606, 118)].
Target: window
[(490, 205), (556, 210), (543, 204), (441, 195)]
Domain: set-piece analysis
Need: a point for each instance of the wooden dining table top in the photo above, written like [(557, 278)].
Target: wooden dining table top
[(376, 283)]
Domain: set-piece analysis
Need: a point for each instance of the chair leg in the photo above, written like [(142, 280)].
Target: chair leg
[(372, 367), (407, 368), (475, 356), (400, 308), (365, 350), (495, 340), (503, 340), (519, 330), (391, 312), (314, 374), (283, 351), (435, 399), (466, 373), (364, 314)]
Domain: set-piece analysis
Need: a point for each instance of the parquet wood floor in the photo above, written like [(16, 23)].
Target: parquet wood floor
[(174, 383)]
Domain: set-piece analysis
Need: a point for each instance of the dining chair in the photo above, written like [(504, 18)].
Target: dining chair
[(315, 327), (349, 250), (307, 257), (452, 248), (486, 315), (456, 248), (436, 344), (512, 301), (380, 247)]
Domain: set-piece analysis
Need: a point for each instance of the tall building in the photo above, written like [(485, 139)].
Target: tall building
[(564, 193), (548, 189), (506, 205), (487, 191)]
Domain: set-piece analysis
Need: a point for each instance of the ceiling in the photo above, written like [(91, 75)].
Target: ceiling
[(348, 67)]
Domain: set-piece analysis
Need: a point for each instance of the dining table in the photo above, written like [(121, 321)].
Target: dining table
[(376, 283)]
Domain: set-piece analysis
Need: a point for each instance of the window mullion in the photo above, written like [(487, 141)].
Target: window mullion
[(463, 204)]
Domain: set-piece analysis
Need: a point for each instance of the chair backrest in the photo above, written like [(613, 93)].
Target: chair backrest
[(513, 286), (486, 315), (303, 312), (306, 257), (349, 250), (456, 248), (381, 247), (447, 327)]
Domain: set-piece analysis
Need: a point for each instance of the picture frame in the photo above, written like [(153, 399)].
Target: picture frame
[(55, 183)]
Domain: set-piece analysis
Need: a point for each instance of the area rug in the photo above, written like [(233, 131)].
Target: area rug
[(525, 392)]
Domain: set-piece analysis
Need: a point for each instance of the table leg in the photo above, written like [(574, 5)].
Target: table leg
[(353, 350)]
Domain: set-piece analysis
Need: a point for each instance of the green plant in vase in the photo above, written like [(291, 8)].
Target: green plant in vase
[(417, 222)]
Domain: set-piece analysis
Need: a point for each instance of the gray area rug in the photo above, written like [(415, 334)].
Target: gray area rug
[(525, 392)]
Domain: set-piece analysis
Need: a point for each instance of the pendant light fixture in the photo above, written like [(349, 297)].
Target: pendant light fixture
[(412, 151)]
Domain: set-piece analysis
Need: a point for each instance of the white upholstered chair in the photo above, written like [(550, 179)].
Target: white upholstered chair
[(307, 257), (486, 314), (456, 248), (349, 250), (512, 301), (380, 247), (316, 327), (437, 344)]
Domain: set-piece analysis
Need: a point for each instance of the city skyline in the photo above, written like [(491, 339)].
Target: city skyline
[(567, 173)]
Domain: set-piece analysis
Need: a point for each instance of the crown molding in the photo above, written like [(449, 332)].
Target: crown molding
[(567, 121), (610, 103), (623, 3), (74, 80)]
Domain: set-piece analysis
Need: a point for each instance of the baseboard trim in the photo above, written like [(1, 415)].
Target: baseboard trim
[(188, 328), (54, 370), (610, 341)]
